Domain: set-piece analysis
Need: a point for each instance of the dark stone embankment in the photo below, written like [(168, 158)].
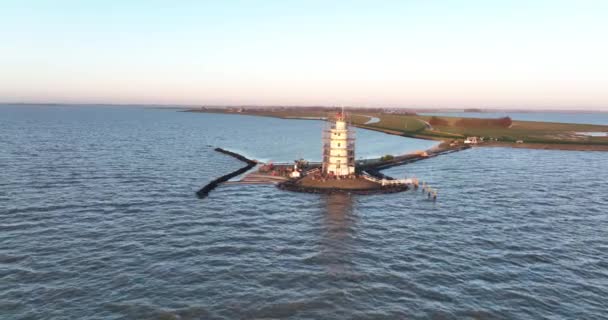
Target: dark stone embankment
[(204, 191), (292, 185)]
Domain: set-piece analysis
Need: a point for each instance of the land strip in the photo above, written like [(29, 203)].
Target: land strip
[(495, 132)]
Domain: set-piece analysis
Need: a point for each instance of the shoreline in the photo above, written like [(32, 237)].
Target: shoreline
[(361, 126)]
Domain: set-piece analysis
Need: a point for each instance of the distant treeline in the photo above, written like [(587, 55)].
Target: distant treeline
[(473, 122), (305, 109)]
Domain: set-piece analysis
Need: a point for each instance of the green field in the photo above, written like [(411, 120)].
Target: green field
[(527, 131)]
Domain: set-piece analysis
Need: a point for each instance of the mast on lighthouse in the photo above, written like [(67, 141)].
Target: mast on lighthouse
[(339, 147)]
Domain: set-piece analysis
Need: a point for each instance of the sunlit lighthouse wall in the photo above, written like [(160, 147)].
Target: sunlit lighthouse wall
[(339, 147)]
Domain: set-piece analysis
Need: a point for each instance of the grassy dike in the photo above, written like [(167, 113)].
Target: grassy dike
[(535, 135)]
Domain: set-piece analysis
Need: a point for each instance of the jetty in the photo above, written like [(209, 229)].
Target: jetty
[(204, 191)]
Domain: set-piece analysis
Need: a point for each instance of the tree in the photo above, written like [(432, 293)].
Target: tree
[(387, 157)]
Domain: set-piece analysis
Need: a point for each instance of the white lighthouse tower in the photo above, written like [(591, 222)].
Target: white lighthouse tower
[(339, 148)]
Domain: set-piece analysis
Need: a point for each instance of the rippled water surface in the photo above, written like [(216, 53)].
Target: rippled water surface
[(98, 220)]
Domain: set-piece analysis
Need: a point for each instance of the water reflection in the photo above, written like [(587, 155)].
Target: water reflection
[(337, 242)]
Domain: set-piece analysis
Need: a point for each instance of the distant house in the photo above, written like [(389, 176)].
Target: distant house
[(519, 141), (472, 140)]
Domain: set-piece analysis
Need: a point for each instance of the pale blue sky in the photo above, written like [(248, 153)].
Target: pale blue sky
[(543, 54)]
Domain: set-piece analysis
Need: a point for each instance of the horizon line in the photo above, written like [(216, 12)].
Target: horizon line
[(175, 105)]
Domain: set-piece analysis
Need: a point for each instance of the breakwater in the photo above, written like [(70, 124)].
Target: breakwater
[(204, 191), (374, 168)]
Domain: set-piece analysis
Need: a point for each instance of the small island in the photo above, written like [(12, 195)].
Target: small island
[(338, 172)]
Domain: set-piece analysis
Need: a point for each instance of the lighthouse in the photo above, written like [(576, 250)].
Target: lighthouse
[(339, 147)]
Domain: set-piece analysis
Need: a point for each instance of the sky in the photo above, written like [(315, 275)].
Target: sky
[(429, 53)]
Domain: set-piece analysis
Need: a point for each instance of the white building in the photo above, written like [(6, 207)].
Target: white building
[(339, 148), (471, 140)]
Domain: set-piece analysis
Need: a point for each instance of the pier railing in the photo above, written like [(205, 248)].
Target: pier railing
[(386, 182)]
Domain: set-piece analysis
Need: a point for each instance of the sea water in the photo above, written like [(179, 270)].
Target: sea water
[(99, 220)]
